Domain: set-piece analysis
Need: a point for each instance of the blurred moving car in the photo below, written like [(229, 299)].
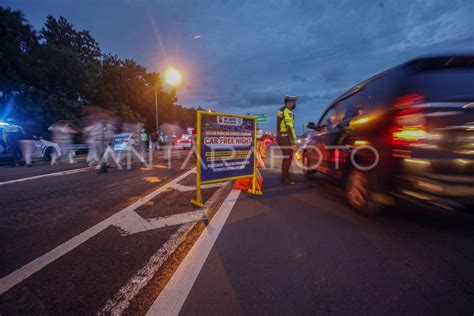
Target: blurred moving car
[(184, 142), (414, 123)]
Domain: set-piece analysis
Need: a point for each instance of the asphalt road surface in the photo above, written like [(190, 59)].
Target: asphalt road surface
[(63, 251), (300, 250), (68, 247)]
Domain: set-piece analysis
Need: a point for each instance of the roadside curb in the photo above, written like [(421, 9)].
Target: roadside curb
[(163, 262)]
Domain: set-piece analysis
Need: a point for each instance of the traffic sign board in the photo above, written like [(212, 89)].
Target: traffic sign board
[(261, 118)]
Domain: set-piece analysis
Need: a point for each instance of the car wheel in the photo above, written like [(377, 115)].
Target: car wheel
[(307, 171), (358, 192), (48, 153)]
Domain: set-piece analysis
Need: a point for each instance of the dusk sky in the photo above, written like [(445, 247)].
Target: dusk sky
[(243, 56)]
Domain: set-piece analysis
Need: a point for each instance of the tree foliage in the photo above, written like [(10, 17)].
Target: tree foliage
[(51, 74)]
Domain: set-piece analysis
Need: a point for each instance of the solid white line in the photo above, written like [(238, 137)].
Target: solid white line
[(121, 300), (55, 174), (39, 263), (66, 172), (173, 296)]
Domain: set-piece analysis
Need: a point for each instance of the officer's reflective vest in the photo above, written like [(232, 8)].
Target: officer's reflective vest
[(286, 124)]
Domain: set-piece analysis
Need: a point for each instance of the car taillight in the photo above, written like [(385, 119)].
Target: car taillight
[(409, 121), (407, 135), (409, 100)]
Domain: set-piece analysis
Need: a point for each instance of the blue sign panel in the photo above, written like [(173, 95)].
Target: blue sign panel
[(227, 146)]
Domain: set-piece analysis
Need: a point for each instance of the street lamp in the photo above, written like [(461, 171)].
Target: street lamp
[(173, 78)]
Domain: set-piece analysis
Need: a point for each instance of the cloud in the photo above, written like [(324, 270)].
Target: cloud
[(251, 53)]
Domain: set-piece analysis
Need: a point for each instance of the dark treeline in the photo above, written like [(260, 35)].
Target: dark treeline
[(50, 74)]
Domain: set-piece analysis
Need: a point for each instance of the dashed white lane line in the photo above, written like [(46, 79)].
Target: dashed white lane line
[(39, 263), (55, 174), (173, 296)]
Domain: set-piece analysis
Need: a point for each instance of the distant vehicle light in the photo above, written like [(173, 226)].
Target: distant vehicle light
[(4, 124)]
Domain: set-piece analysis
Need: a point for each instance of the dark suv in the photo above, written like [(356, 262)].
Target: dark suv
[(407, 132)]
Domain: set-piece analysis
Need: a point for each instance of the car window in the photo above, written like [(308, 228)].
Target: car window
[(327, 117), (378, 94), (333, 116)]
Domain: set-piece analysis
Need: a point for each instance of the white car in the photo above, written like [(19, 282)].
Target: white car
[(123, 141), (44, 149), (185, 142)]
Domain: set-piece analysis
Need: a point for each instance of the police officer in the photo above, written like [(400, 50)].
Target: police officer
[(286, 136), (13, 133)]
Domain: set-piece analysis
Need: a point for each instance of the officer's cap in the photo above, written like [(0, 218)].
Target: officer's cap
[(290, 98)]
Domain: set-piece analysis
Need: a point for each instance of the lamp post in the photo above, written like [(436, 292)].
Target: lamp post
[(156, 107), (173, 78)]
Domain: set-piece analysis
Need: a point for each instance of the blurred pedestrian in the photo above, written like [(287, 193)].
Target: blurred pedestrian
[(144, 140), (161, 141), (62, 134), (13, 133), (154, 141), (28, 147), (92, 134)]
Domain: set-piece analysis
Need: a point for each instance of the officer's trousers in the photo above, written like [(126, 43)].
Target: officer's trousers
[(285, 145)]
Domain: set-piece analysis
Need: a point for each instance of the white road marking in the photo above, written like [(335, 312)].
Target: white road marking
[(185, 188), (55, 174), (121, 300), (39, 263), (173, 296), (134, 223)]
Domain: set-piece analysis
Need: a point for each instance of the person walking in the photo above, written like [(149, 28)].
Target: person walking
[(154, 141), (62, 133), (144, 140), (286, 136)]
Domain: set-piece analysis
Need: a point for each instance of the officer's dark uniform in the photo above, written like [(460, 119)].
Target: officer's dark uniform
[(286, 136)]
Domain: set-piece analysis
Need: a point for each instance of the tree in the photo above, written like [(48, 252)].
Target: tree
[(17, 39), (51, 75)]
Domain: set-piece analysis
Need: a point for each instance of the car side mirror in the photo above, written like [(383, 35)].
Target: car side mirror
[(311, 125)]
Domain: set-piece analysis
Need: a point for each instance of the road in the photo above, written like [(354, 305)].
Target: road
[(300, 250), (66, 241), (72, 241)]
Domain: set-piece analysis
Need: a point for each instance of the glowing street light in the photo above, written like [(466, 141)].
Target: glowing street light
[(172, 77)]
